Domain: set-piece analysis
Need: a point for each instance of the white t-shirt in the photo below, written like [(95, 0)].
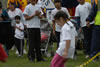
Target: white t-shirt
[(35, 21), (67, 33), (19, 34), (83, 11), (12, 15), (58, 28), (40, 3)]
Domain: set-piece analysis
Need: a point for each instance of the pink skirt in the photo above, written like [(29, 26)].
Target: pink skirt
[(58, 61)]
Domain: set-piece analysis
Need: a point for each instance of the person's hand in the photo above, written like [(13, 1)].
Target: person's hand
[(16, 27), (64, 55), (37, 13), (88, 24), (80, 29)]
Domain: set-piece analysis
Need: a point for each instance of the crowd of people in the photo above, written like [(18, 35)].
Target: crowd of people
[(64, 28)]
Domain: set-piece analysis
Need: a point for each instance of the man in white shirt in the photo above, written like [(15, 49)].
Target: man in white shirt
[(55, 25), (33, 14), (82, 12)]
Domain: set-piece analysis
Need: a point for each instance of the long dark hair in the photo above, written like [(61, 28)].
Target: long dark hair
[(61, 14)]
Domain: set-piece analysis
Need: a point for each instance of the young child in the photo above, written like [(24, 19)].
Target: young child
[(67, 40), (19, 35), (56, 27)]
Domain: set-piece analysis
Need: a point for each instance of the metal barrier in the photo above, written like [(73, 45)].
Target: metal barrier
[(86, 63)]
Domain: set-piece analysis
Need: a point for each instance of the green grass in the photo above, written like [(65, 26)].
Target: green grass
[(14, 61)]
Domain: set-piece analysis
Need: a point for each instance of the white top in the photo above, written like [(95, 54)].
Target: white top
[(40, 3), (12, 15), (83, 11), (67, 33), (35, 21), (58, 28), (19, 34)]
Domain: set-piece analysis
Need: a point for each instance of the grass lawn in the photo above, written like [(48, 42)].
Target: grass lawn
[(14, 61)]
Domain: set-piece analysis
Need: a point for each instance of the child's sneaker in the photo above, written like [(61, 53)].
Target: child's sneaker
[(16, 52), (87, 56), (13, 48), (25, 51)]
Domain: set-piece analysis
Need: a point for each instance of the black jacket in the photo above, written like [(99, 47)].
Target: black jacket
[(93, 13)]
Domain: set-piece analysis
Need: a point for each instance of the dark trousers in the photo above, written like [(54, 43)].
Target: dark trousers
[(10, 39), (19, 43), (34, 44), (87, 32), (58, 38), (95, 46)]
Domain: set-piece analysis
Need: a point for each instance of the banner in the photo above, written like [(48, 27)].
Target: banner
[(18, 3), (23, 4), (48, 4)]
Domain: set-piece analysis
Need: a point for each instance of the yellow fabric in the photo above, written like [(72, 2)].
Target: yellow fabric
[(23, 3), (88, 1), (97, 19), (11, 1)]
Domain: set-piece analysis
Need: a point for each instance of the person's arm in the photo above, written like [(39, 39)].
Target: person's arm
[(26, 14), (37, 13), (92, 14), (28, 17), (78, 23), (65, 53), (66, 35), (77, 18), (53, 25), (21, 28), (40, 12), (6, 15)]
